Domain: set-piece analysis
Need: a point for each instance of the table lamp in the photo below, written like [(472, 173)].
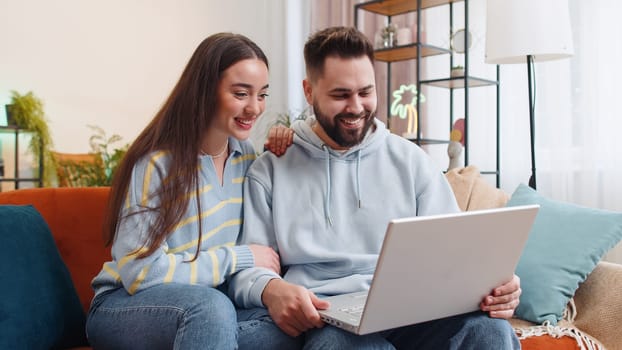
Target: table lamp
[(527, 31)]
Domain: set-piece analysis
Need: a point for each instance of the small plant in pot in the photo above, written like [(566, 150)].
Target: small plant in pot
[(457, 71), (26, 112), (99, 171)]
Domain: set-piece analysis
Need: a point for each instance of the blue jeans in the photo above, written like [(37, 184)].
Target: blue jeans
[(468, 331), (256, 330), (471, 331), (168, 316)]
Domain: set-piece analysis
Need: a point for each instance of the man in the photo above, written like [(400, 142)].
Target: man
[(325, 204)]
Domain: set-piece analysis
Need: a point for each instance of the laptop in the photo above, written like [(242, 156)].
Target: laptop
[(436, 266)]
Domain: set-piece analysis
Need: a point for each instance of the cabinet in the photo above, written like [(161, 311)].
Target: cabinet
[(419, 50), (16, 179)]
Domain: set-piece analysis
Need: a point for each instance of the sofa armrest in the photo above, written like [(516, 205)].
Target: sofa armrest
[(599, 305)]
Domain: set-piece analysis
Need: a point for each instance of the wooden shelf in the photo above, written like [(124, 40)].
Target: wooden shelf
[(398, 7), (424, 141), (408, 52), (459, 82)]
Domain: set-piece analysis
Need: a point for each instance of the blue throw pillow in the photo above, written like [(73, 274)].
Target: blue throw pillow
[(564, 245), (39, 307)]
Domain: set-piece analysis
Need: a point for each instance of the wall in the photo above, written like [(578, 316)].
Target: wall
[(112, 63)]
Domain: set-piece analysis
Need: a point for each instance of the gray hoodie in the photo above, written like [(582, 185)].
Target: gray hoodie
[(326, 211)]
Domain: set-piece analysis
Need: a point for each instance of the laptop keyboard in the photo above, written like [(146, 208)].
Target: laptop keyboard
[(353, 310)]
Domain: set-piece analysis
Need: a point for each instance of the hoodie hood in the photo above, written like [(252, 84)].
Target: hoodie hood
[(316, 148), (311, 142)]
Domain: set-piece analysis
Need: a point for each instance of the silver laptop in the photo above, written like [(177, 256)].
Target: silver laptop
[(437, 266)]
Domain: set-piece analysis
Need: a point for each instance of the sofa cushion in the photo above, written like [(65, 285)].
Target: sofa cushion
[(565, 244), (599, 306), (472, 191), (549, 342), (39, 308)]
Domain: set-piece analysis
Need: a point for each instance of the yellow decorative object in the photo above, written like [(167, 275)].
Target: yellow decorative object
[(412, 120), (407, 110), (456, 135)]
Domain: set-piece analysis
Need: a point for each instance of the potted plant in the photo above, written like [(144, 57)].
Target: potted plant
[(9, 117), (457, 71), (96, 170), (26, 112), (111, 157)]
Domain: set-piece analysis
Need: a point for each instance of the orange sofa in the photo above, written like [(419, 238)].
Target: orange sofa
[(75, 216)]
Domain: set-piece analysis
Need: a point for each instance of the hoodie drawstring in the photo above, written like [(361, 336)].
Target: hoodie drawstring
[(328, 181), (327, 213), (358, 181)]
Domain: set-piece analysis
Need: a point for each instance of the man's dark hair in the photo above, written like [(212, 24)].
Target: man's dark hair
[(342, 42)]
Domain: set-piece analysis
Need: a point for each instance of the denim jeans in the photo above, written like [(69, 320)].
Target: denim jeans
[(468, 331), (471, 331), (256, 330), (168, 316)]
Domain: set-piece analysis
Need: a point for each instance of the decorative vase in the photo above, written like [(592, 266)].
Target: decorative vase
[(9, 116)]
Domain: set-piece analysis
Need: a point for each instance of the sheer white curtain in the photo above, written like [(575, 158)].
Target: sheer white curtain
[(582, 144), (580, 138)]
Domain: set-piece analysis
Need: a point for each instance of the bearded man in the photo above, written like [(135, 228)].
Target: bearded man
[(324, 207)]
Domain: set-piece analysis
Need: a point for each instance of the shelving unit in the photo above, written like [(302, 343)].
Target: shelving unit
[(419, 50), (16, 179)]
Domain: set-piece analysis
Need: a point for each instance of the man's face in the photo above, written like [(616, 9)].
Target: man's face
[(344, 99)]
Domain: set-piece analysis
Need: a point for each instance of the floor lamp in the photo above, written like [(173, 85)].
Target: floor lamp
[(528, 31)]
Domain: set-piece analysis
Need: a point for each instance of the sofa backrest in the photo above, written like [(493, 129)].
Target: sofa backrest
[(75, 217)]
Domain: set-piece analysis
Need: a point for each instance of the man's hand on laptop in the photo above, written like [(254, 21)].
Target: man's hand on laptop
[(293, 308), (503, 300)]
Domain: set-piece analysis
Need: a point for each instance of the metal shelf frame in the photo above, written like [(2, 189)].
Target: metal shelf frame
[(16, 179), (419, 50)]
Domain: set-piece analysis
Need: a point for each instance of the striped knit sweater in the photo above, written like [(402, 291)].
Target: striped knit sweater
[(221, 223)]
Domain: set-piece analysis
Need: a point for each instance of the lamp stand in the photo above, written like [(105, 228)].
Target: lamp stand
[(532, 122)]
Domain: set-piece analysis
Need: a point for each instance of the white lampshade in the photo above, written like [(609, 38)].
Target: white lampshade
[(517, 28)]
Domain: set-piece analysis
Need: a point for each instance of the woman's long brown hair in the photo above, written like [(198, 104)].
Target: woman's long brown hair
[(178, 128)]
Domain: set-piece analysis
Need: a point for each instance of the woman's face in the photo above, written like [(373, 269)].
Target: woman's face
[(241, 98)]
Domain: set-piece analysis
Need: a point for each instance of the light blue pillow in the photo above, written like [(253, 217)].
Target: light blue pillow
[(564, 245)]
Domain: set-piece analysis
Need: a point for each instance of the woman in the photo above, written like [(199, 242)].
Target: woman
[(161, 289)]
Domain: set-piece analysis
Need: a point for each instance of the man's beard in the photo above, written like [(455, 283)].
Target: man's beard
[(342, 136)]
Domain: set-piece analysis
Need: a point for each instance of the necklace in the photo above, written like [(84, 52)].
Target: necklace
[(220, 154)]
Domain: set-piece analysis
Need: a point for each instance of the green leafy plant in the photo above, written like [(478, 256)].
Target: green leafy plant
[(457, 71), (111, 157), (27, 112), (100, 169)]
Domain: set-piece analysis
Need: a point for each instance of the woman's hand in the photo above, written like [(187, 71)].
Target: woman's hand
[(266, 257), (279, 139)]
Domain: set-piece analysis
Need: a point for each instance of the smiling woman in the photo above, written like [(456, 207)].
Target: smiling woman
[(175, 209)]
